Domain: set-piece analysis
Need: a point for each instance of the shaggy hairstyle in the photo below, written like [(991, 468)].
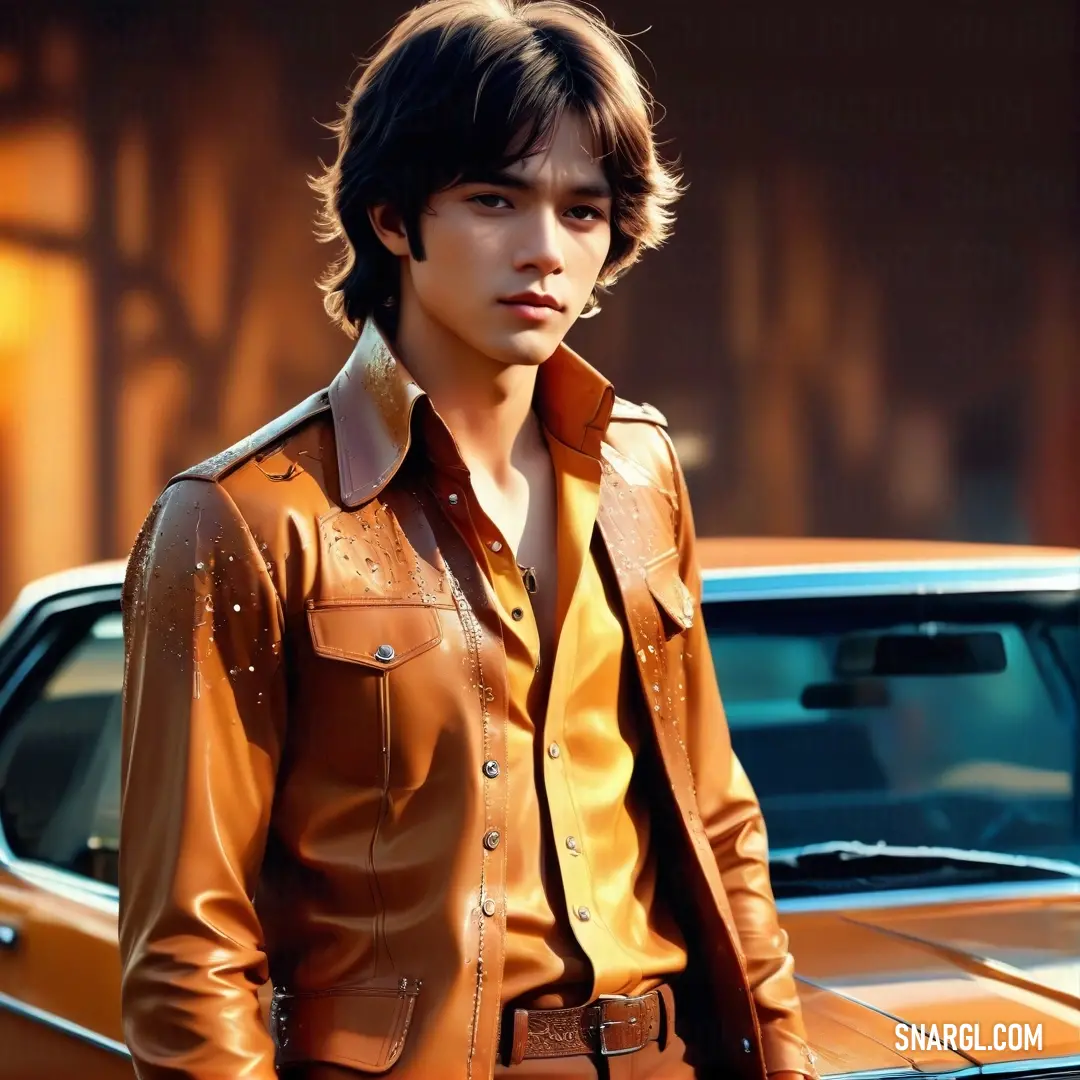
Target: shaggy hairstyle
[(464, 87)]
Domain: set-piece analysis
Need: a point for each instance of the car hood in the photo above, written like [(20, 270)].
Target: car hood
[(863, 971)]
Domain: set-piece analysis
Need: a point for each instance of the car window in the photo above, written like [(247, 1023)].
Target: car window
[(60, 761), (971, 753)]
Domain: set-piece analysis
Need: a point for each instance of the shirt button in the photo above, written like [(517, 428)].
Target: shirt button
[(491, 769), (746, 1046), (489, 908), (517, 613), (571, 843), (496, 546), (553, 750), (491, 840), (584, 914)]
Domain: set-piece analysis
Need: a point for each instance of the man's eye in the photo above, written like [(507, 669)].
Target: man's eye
[(591, 211), (488, 199)]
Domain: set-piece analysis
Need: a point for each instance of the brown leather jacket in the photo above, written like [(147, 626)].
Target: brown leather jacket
[(296, 809)]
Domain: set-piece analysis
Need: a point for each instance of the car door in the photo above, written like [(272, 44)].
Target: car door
[(61, 673)]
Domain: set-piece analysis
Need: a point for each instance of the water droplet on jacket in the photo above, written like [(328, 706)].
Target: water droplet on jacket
[(199, 565), (236, 607), (251, 667)]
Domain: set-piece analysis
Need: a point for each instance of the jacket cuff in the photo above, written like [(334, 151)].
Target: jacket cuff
[(785, 1051)]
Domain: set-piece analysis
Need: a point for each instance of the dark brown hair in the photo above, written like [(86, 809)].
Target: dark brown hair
[(469, 86)]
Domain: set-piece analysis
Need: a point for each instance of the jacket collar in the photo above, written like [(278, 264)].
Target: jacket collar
[(373, 397)]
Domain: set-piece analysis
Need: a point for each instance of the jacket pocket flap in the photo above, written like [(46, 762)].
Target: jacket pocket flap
[(670, 592), (376, 635), (362, 1028)]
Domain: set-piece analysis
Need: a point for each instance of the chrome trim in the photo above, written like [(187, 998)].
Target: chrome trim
[(858, 849), (1039, 1066), (889, 579), (63, 883), (897, 1073), (1022, 1069), (58, 1023), (950, 894), (95, 583), (90, 577)]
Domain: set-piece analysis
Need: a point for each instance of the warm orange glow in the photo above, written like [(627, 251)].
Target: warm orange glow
[(44, 177), (152, 403), (47, 427)]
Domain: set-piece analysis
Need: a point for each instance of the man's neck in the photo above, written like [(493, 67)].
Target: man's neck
[(486, 405)]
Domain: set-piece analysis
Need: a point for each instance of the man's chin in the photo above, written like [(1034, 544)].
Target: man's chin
[(525, 350)]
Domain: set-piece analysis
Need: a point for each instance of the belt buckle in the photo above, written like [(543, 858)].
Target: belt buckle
[(605, 1050)]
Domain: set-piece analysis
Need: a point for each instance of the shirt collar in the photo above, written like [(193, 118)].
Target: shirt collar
[(373, 397)]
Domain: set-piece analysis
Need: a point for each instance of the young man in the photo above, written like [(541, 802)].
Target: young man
[(421, 724)]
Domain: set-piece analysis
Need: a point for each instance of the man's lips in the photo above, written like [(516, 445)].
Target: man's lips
[(532, 300)]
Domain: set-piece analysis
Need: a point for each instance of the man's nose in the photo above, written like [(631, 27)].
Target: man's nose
[(541, 244)]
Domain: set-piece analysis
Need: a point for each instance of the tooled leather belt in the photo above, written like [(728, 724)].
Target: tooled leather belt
[(608, 1027)]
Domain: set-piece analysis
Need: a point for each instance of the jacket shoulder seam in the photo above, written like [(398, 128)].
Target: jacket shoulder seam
[(255, 445)]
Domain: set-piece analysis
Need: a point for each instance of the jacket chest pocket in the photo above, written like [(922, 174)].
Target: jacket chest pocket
[(387, 666), (380, 636)]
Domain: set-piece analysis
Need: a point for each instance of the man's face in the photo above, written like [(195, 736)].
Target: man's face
[(543, 227)]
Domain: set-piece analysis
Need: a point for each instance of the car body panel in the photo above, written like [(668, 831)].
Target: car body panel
[(59, 982), (985, 953), (1013, 962)]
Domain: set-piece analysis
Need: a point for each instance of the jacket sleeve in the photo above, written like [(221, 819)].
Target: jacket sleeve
[(732, 819), (203, 718)]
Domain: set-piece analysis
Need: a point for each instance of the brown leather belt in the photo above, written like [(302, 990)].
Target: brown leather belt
[(608, 1027)]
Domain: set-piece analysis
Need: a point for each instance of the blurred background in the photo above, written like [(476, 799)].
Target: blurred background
[(866, 324)]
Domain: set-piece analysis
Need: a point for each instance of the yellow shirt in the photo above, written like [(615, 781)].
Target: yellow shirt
[(583, 915)]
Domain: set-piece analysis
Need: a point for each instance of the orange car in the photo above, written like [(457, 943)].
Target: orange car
[(907, 712)]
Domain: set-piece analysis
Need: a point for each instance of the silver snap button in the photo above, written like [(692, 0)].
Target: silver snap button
[(385, 652), (584, 914), (452, 499), (746, 1046), (491, 840), (489, 908), (517, 614), (571, 843), (496, 546), (553, 750), (491, 769)]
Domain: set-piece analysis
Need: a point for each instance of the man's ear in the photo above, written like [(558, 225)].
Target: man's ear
[(389, 228)]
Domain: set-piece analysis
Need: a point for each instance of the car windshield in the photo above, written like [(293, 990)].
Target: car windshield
[(943, 720)]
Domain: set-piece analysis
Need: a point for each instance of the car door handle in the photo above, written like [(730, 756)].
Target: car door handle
[(9, 936)]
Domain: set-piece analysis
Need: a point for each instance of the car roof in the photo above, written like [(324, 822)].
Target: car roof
[(762, 552), (99, 575), (780, 567)]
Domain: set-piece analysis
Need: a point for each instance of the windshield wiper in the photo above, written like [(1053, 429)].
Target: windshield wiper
[(842, 866)]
